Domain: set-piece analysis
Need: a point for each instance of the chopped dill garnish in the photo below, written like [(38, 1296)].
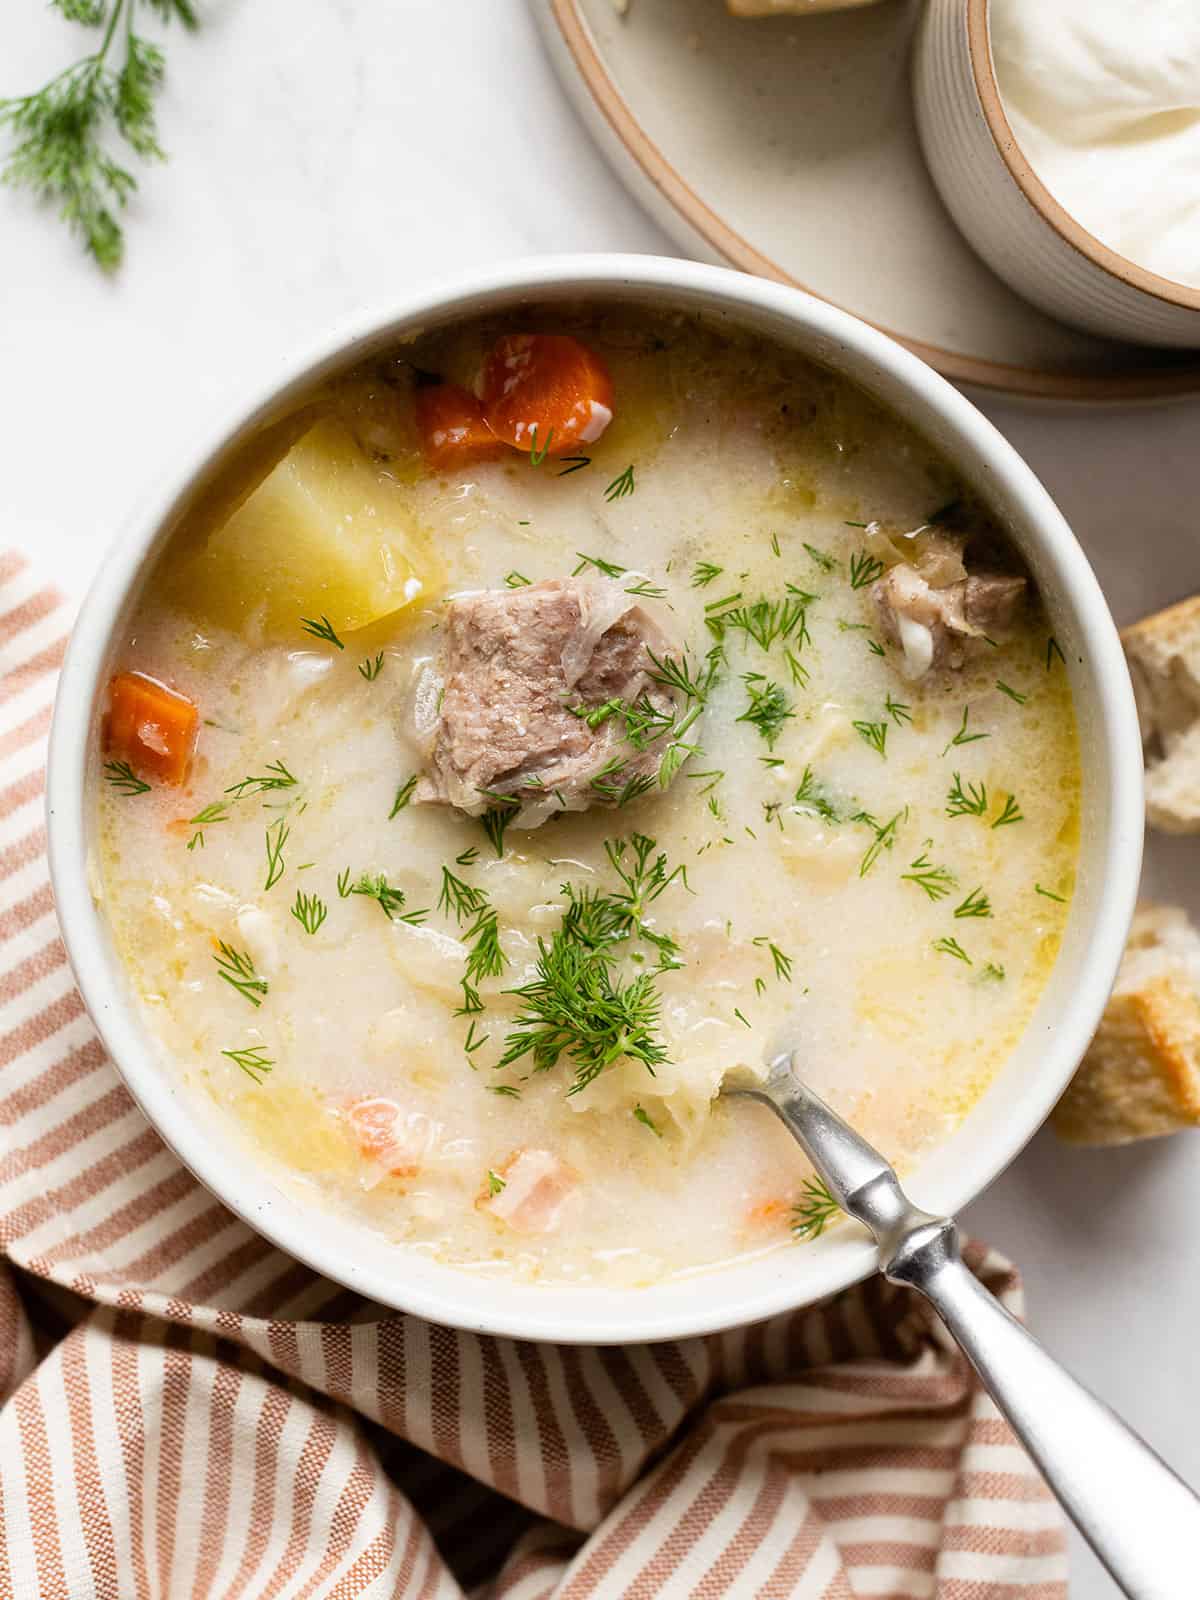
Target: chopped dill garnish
[(344, 887), (608, 568), (711, 779), (641, 1115), (875, 647), (885, 838), (496, 1184), (458, 899), (853, 627), (991, 973), (276, 776), (811, 797), (390, 901), (216, 811), (646, 590), (976, 904), (703, 574), (775, 544), (536, 457), (771, 812), (814, 1211), (875, 734), (471, 1043), (1050, 895), (237, 969), (825, 562), (1011, 813), (277, 837), (485, 955), (898, 711), (516, 580), (951, 947), (371, 668), (971, 801), (796, 670), (254, 1062), (768, 708), (765, 621), (782, 963), (123, 778), (962, 736), (1013, 694), (935, 881), (610, 784), (508, 1089), (322, 630), (741, 1018), (577, 464), (864, 569), (403, 795), (856, 524), (309, 911), (1053, 648), (494, 822), (467, 858), (677, 673), (621, 485)]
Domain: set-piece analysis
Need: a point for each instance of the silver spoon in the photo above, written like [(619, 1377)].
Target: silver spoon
[(1140, 1518)]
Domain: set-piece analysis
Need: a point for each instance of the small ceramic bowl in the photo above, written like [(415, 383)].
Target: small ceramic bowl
[(345, 1248), (1008, 214)]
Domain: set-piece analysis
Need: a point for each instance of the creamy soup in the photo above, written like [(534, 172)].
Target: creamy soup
[(524, 733)]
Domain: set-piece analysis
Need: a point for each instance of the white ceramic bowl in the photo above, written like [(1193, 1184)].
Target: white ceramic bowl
[(1008, 214), (1011, 1109)]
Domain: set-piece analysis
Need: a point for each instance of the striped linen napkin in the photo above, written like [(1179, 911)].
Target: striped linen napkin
[(185, 1411)]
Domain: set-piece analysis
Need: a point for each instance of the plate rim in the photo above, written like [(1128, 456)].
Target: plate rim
[(1002, 378)]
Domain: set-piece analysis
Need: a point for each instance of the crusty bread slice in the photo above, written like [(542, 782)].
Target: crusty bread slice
[(1141, 1074), (1164, 662), (791, 8)]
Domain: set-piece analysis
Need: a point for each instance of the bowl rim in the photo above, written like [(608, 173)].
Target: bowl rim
[(691, 1304), (1053, 213)]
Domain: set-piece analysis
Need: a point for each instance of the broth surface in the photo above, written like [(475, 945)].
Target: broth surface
[(836, 894)]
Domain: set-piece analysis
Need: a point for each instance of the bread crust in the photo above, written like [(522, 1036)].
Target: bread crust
[(1163, 652)]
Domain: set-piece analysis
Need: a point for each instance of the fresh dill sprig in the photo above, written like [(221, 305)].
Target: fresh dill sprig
[(1049, 894), (485, 959), (509, 1090), (885, 838), (60, 132), (781, 963), (608, 568), (962, 736), (459, 899), (536, 457), (991, 973), (646, 590), (621, 485), (389, 900), (875, 734), (812, 798), (517, 580), (768, 707), (797, 671), (1053, 648), (640, 1114), (371, 667), (323, 629), (403, 795), (576, 464), (703, 574), (936, 881), (710, 779), (496, 1184), (825, 562), (898, 711), (277, 837), (276, 776), (237, 969), (813, 1211), (124, 779), (1013, 694), (1011, 812), (864, 569), (494, 822), (216, 811), (874, 646), (968, 801), (976, 904), (309, 911), (763, 620), (254, 1061), (951, 947)]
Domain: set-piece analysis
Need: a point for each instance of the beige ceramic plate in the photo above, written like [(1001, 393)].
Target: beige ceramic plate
[(786, 146)]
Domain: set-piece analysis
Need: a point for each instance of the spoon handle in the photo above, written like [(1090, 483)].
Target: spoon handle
[(1141, 1520)]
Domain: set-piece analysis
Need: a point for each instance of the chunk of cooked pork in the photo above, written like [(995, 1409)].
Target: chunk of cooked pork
[(518, 666), (937, 627)]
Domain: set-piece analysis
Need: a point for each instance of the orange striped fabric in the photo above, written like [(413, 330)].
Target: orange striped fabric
[(185, 1412)]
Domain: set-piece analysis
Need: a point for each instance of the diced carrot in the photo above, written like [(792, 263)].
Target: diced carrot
[(767, 1213), (536, 1187), (450, 423), (151, 726), (386, 1135), (546, 393)]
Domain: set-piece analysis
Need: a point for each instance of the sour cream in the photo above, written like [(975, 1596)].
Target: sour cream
[(1104, 99)]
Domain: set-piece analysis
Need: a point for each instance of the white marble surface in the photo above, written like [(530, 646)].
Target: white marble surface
[(324, 155)]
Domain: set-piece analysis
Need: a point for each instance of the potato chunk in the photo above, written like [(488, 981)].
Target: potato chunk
[(325, 533)]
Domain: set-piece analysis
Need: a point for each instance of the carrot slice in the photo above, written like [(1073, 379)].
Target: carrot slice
[(153, 727), (545, 392), (450, 423)]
